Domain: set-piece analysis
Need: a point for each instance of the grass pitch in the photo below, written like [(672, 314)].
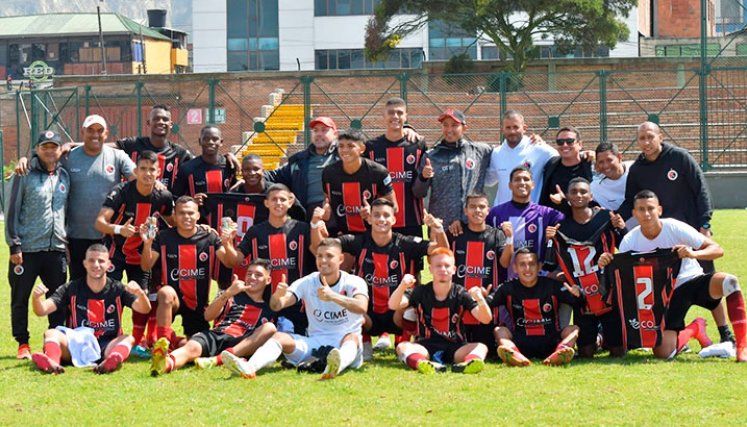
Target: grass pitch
[(636, 390)]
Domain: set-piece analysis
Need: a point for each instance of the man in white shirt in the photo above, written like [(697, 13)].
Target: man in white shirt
[(608, 185)]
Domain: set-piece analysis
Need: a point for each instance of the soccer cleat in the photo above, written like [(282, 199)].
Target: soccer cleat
[(367, 351), (159, 354), (237, 365), (512, 357), (141, 352), (383, 342), (429, 367), (110, 364), (472, 367), (685, 349), (45, 364), (561, 356), (24, 352), (723, 350), (333, 364), (206, 362), (702, 335)]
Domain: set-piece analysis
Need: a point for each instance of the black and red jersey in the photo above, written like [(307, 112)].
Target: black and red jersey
[(187, 264), (127, 203), (287, 248), (170, 157), (242, 315), (477, 257), (643, 285), (382, 267), (403, 161), (576, 250), (198, 176), (101, 311), (347, 192), (534, 311), (440, 319)]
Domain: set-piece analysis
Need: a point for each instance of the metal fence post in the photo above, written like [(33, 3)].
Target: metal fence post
[(602, 105), (306, 81), (705, 69), (18, 124), (403, 78), (88, 100), (211, 101), (139, 106), (2, 172), (503, 88), (34, 126)]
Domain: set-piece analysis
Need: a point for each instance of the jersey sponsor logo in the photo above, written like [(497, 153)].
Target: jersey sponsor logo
[(470, 164), (282, 263), (374, 280), (203, 256), (401, 175), (18, 270), (393, 264), (647, 325), (109, 169), (98, 325), (532, 228), (410, 159), (293, 245), (672, 174), (473, 271), (490, 255), (343, 210), (327, 316), (177, 274)]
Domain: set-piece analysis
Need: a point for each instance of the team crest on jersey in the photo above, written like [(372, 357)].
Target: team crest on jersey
[(226, 182), (110, 268), (547, 307), (366, 194), (490, 255), (245, 262), (63, 188), (293, 245), (470, 164), (532, 228), (18, 270), (455, 318), (169, 167), (410, 159), (109, 169), (672, 174), (393, 264), (203, 257), (110, 309)]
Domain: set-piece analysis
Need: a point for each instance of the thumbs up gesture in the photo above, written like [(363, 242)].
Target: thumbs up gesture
[(128, 229), (365, 211), (558, 196), (428, 169)]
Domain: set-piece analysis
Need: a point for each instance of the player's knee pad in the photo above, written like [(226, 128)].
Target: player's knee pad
[(730, 285)]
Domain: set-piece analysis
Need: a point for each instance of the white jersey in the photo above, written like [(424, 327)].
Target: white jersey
[(673, 232), (610, 193), (504, 159), (326, 318)]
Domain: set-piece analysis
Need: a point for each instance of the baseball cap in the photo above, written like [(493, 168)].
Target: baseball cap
[(326, 121), (456, 115), (93, 119), (49, 136)]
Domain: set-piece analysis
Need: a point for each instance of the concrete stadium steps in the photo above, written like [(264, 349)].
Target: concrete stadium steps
[(282, 123)]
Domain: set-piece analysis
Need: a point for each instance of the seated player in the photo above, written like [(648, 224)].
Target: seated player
[(243, 322), (533, 302), (440, 306), (335, 303), (94, 301), (692, 286)]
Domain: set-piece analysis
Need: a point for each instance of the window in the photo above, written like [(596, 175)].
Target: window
[(490, 52), (446, 40), (344, 7), (253, 36), (354, 59)]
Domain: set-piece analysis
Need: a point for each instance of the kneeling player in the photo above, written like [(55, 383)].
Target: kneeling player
[(533, 303), (94, 301), (440, 306), (335, 302), (244, 322)]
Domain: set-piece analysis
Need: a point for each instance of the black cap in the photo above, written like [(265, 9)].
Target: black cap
[(49, 136), (455, 115)]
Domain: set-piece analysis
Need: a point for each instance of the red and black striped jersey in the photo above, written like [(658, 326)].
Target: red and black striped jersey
[(242, 315), (403, 161), (170, 157), (101, 311), (347, 192), (576, 250), (382, 267), (440, 319), (534, 311), (127, 203), (198, 176), (643, 284), (477, 256), (286, 247), (187, 264)]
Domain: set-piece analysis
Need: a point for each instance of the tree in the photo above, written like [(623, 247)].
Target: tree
[(512, 25)]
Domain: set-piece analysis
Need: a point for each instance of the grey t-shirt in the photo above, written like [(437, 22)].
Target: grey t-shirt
[(91, 179)]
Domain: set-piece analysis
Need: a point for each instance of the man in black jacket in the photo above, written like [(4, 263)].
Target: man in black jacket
[(559, 171)]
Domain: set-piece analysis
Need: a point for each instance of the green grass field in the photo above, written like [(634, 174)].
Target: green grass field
[(636, 390)]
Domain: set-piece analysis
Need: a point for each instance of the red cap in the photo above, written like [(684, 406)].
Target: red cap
[(455, 115), (326, 121)]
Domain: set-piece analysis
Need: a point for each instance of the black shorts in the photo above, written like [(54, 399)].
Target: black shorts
[(480, 333), (589, 324), (693, 292), (381, 323), (134, 272), (214, 342), (440, 350), (538, 347), (193, 321)]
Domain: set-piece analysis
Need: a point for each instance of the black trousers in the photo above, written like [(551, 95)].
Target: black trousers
[(77, 249), (51, 267)]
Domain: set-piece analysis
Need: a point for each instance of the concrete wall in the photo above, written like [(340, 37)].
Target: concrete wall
[(728, 189)]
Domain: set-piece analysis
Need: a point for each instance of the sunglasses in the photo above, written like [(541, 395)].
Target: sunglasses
[(565, 141)]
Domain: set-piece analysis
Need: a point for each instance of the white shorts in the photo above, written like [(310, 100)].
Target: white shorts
[(305, 345)]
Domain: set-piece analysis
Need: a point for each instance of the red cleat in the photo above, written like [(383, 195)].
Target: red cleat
[(512, 357), (24, 352), (561, 356), (45, 364), (110, 364), (702, 335)]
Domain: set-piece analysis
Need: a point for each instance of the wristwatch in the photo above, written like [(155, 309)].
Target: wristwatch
[(706, 226)]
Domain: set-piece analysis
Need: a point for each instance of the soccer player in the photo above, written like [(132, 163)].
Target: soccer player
[(532, 302), (403, 159), (351, 183), (558, 172), (95, 302), (285, 243), (188, 256), (693, 286), (440, 306), (335, 303), (35, 232), (243, 322), (125, 209), (481, 252), (253, 173), (455, 167), (577, 245)]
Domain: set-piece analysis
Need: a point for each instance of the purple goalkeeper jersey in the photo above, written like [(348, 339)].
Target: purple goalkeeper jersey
[(529, 222)]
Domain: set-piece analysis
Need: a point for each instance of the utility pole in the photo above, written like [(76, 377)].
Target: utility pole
[(101, 39)]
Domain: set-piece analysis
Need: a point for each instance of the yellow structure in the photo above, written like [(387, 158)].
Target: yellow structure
[(281, 130)]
